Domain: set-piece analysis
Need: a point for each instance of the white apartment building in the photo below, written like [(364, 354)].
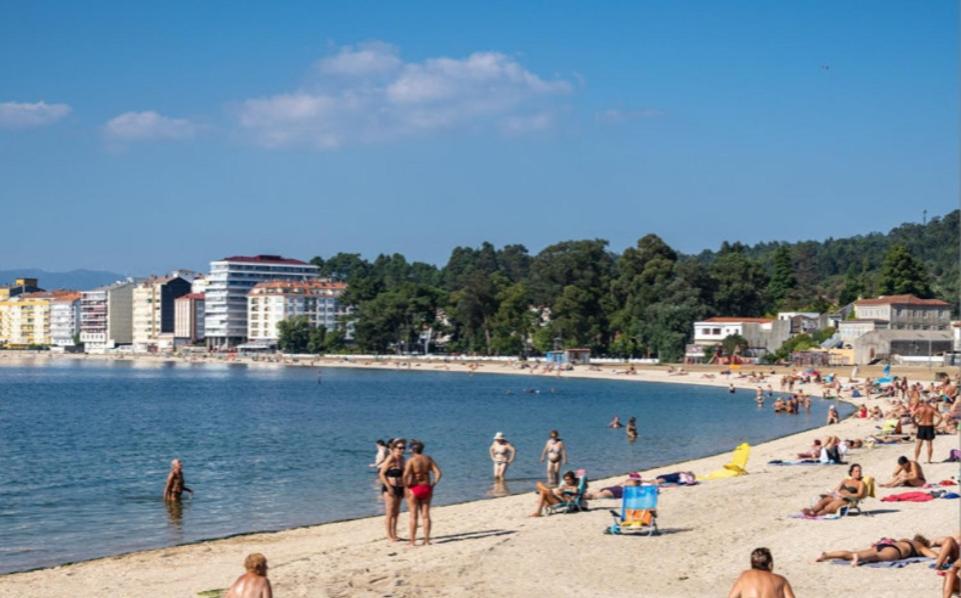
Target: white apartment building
[(762, 334), (189, 318), (230, 279), (271, 302), (64, 319), (153, 312), (106, 317)]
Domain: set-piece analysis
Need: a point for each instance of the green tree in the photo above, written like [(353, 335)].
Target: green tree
[(739, 282), (514, 321), (734, 344), (902, 274), (783, 280), (294, 335)]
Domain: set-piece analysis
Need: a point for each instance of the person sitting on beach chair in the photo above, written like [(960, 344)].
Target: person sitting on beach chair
[(851, 488), (570, 491)]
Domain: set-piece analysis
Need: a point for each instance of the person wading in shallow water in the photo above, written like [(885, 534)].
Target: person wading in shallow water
[(176, 485), (556, 454), (420, 489)]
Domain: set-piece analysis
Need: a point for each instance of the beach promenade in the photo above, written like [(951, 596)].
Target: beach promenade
[(491, 546)]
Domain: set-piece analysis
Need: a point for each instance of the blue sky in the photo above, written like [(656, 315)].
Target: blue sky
[(140, 139)]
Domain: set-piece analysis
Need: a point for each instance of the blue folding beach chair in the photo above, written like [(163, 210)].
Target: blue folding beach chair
[(574, 502), (638, 512)]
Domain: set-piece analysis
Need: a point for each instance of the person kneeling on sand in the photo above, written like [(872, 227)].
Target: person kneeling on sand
[(759, 581), (884, 550), (551, 496), (253, 583), (908, 473)]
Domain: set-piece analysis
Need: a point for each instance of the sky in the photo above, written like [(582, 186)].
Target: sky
[(141, 138)]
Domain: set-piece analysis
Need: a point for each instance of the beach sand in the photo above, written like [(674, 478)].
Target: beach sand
[(492, 546)]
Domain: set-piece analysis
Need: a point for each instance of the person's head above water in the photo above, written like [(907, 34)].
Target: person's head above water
[(380, 442), (555, 434), (761, 559), (416, 447), (176, 464)]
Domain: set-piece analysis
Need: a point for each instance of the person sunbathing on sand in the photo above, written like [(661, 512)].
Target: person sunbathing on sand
[(551, 496), (617, 492), (760, 581), (952, 581), (850, 488), (908, 473), (949, 551), (814, 453), (253, 583), (884, 550)]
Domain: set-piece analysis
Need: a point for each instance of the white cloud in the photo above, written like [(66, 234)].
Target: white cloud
[(36, 114), (147, 125), (364, 59), (613, 116), (367, 94)]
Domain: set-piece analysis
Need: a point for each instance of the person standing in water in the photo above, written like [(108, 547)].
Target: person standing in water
[(555, 452), (417, 478), (615, 423), (632, 428), (176, 485), (502, 453), (391, 476)]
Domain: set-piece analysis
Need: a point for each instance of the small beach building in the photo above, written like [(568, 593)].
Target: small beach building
[(569, 356), (763, 335)]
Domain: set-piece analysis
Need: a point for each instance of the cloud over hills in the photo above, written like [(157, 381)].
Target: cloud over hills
[(15, 115)]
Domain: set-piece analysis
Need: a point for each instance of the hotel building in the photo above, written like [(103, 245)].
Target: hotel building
[(153, 312), (230, 279), (271, 302), (106, 317), (189, 318), (64, 319)]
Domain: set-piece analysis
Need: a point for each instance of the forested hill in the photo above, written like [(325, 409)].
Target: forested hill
[(641, 302), (854, 263)]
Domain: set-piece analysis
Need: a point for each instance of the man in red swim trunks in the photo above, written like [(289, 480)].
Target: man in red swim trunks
[(417, 478)]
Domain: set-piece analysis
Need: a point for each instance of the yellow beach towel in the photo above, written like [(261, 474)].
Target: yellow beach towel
[(737, 466)]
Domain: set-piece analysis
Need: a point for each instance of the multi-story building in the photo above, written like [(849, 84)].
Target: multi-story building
[(106, 317), (199, 284), (230, 279), (271, 302), (189, 318), (20, 287), (762, 334), (153, 312), (25, 319), (904, 312), (64, 319)]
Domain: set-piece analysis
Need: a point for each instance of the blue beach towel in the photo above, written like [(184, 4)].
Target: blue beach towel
[(889, 564)]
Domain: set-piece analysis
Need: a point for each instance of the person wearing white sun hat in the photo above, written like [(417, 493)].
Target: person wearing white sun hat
[(502, 453)]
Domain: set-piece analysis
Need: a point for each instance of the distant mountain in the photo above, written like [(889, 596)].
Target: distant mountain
[(75, 279)]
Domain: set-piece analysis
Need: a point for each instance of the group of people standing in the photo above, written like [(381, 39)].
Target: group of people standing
[(413, 478)]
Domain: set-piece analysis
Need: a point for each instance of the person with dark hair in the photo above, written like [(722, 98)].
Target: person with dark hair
[(391, 476), (884, 550), (547, 496), (555, 451), (420, 489), (850, 488), (253, 583), (382, 450), (908, 473), (760, 581), (926, 418)]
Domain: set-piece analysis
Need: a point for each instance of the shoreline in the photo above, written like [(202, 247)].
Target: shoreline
[(63, 572)]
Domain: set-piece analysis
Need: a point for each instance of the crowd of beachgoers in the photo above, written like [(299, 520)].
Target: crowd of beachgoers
[(912, 413), (900, 414)]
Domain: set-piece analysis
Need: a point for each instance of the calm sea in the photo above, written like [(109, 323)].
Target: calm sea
[(85, 447)]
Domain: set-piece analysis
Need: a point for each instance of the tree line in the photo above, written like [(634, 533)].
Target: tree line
[(639, 303)]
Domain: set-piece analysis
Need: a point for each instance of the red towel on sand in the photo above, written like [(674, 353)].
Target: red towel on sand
[(908, 497)]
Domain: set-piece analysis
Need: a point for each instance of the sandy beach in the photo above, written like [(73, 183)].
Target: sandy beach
[(492, 546)]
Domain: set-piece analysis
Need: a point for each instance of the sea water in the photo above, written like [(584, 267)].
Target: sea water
[(86, 446)]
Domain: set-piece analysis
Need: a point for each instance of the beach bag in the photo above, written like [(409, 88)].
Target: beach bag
[(954, 455)]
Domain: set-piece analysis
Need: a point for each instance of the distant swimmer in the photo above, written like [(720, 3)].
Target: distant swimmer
[(420, 489), (253, 583), (555, 452), (632, 428), (615, 423), (502, 453), (730, 389), (176, 485)]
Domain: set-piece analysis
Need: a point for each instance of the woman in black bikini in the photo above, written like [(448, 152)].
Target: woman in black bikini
[(885, 549), (392, 485), (851, 488)]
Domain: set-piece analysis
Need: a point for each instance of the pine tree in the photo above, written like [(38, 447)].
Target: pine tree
[(902, 274)]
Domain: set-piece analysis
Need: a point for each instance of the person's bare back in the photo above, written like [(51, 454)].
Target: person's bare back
[(755, 583), (250, 585)]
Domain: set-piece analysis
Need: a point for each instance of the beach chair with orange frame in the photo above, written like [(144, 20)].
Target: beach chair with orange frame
[(638, 513)]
